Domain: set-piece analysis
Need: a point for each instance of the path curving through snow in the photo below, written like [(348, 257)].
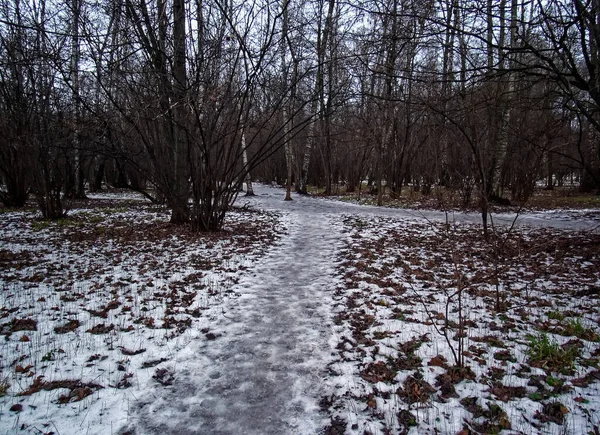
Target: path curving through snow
[(266, 369), (264, 372)]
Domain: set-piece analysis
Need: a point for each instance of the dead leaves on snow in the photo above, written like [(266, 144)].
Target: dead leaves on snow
[(416, 390), (25, 324), (125, 271), (70, 326), (78, 389), (390, 271)]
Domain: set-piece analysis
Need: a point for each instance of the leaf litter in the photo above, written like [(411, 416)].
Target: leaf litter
[(369, 340), (477, 323), (89, 303)]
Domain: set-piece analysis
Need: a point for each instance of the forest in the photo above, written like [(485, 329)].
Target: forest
[(361, 217), (184, 100)]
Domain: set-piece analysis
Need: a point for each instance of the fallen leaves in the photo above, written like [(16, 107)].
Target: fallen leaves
[(552, 412), (75, 395), (79, 389), (70, 326), (416, 390), (164, 377), (103, 313), (129, 352), (15, 325), (506, 393), (101, 328), (378, 372), (511, 286)]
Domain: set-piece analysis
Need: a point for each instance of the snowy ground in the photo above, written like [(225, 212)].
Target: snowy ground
[(314, 316), (101, 310), (265, 371), (440, 332)]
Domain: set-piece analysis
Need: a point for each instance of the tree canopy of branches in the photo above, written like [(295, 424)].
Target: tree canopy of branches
[(183, 100)]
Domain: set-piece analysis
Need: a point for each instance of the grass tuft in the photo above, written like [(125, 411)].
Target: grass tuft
[(4, 386), (576, 328), (556, 315), (548, 354)]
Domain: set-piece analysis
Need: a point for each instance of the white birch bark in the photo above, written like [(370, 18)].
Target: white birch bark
[(249, 189), (78, 188), (507, 98), (317, 104), (284, 111)]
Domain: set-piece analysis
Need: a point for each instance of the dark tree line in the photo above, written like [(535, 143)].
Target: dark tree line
[(183, 100)]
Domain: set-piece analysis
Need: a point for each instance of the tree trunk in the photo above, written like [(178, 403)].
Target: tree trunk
[(248, 177), (179, 201), (79, 177), (316, 109), (289, 159), (96, 185)]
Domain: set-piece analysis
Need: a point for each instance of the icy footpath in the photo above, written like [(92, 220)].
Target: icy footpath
[(265, 369)]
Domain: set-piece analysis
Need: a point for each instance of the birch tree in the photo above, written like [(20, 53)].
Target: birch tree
[(76, 177), (324, 28), (285, 113)]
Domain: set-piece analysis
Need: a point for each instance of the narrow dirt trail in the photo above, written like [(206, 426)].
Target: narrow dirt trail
[(265, 370)]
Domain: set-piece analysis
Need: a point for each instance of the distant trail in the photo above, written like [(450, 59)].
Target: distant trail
[(265, 373), (560, 219)]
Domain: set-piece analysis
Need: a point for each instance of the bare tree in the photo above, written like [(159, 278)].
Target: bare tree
[(16, 112), (561, 41)]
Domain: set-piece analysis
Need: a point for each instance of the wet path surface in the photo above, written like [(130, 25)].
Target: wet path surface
[(265, 370)]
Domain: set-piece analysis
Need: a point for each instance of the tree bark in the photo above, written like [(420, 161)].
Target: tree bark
[(289, 156), (78, 155), (248, 177)]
